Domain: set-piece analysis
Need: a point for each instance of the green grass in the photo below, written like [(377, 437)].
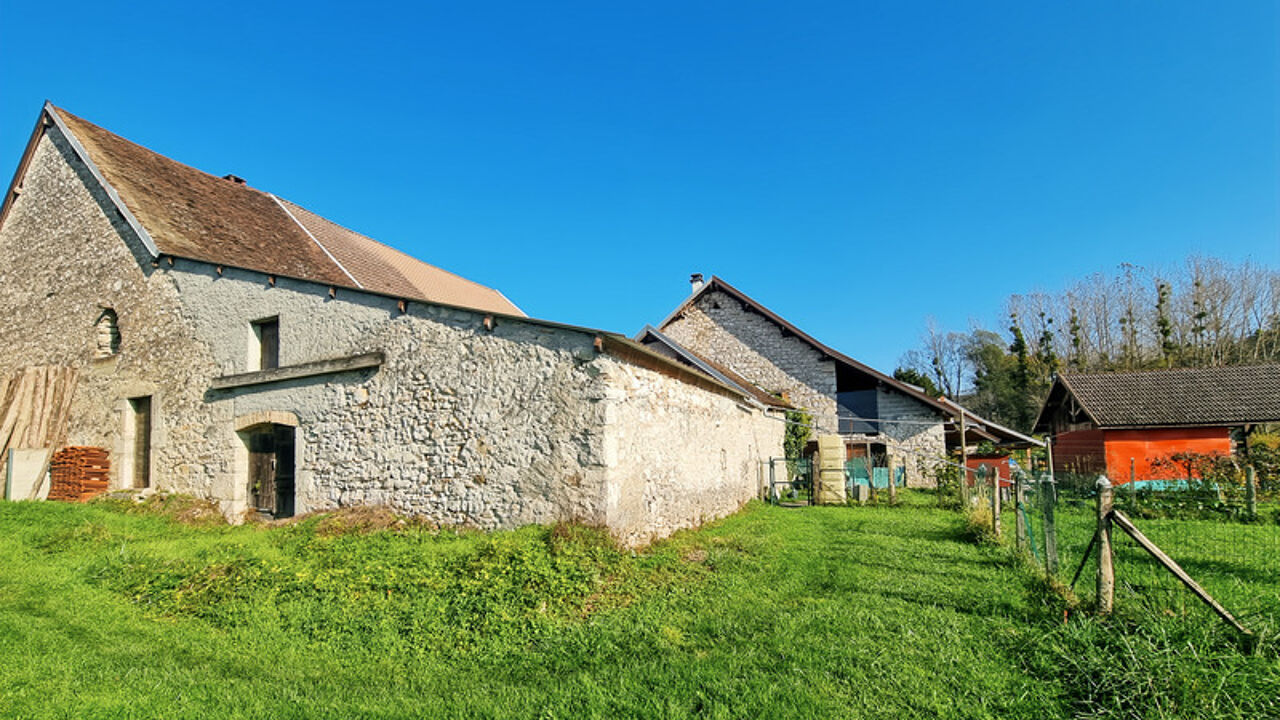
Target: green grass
[(774, 612)]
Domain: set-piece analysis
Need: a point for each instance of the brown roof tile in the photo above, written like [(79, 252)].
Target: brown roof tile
[(1188, 397), (384, 269), (192, 214)]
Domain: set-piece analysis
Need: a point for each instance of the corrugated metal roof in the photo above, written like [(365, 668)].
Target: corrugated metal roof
[(1186, 397), (192, 214)]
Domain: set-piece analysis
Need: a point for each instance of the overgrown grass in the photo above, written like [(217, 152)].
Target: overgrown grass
[(807, 612)]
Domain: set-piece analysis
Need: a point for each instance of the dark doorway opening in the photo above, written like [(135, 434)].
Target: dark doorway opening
[(271, 469), (141, 407)]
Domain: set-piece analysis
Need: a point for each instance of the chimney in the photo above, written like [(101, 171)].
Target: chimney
[(234, 178), (696, 281)]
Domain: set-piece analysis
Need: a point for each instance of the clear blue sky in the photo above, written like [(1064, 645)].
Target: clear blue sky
[(857, 167)]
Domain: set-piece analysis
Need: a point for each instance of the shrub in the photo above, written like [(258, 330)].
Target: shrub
[(977, 525)]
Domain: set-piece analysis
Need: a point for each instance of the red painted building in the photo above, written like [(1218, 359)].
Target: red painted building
[(1128, 425)]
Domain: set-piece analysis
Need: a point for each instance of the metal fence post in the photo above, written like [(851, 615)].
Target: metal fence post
[(1251, 491), (893, 488), (1048, 499), (1106, 570)]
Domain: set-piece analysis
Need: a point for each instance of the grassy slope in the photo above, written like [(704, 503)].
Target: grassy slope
[(820, 612)]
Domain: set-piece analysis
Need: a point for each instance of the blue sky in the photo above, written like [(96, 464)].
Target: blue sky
[(857, 167)]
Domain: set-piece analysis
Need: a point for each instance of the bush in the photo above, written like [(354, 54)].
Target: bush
[(977, 525)]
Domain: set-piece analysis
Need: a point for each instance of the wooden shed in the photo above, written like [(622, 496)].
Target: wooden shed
[(1125, 424)]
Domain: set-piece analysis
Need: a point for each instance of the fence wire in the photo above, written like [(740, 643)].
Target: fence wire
[(1229, 547)]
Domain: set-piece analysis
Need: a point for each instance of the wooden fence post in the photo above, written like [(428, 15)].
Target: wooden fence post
[(871, 476), (1048, 499), (1251, 491), (1019, 521), (1106, 570), (995, 502)]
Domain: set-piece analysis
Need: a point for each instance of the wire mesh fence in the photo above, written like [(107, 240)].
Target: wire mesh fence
[(1227, 541)]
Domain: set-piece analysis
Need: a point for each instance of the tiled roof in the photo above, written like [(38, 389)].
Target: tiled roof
[(192, 214), (1193, 396)]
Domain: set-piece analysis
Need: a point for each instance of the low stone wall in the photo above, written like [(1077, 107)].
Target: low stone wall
[(677, 455)]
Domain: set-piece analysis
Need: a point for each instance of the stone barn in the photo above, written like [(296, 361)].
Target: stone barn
[(873, 412), (222, 341)]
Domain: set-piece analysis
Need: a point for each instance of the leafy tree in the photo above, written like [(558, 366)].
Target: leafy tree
[(799, 430), (917, 378)]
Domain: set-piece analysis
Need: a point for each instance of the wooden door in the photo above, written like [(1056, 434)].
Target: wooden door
[(262, 470), (284, 487), (141, 441)]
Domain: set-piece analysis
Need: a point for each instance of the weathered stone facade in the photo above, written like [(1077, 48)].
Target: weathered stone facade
[(722, 328), (466, 418), (729, 331)]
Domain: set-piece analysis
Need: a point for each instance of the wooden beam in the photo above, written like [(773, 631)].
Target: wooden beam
[(304, 370), (1127, 525)]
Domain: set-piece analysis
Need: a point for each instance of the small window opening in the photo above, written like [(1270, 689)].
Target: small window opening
[(108, 334), (267, 334)]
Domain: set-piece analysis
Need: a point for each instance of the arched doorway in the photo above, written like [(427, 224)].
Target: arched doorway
[(271, 469)]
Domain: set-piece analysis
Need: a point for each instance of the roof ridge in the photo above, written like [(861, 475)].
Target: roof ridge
[(1167, 371), (388, 246), (814, 342), (316, 240)]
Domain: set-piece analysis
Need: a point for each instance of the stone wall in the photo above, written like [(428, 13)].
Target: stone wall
[(720, 328), (678, 455), (489, 426), (65, 255), (461, 424), (916, 443)]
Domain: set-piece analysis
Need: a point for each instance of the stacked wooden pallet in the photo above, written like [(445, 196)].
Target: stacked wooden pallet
[(78, 474)]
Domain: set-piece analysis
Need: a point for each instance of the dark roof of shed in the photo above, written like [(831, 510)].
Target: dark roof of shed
[(719, 284), (1189, 397), (191, 214)]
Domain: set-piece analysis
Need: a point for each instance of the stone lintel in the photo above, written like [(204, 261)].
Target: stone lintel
[(293, 372)]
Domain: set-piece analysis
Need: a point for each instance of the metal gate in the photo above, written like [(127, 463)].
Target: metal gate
[(790, 481)]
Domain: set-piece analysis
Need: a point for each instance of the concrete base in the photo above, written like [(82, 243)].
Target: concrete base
[(26, 474)]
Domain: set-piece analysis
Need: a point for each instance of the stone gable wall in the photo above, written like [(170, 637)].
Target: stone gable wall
[(719, 327), (65, 254)]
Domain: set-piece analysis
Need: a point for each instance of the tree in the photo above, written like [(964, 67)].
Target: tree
[(914, 377), (994, 393)]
